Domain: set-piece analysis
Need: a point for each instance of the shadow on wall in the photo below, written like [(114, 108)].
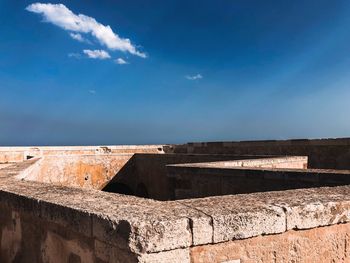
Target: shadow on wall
[(120, 188), (145, 175), (127, 181), (322, 153)]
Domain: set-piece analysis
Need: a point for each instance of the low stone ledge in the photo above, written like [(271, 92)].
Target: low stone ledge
[(173, 256), (37, 201), (248, 215), (323, 244), (240, 216), (279, 162), (151, 226), (314, 207), (143, 234), (195, 181), (145, 227)]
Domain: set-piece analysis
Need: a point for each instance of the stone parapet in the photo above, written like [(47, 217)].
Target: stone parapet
[(94, 225)]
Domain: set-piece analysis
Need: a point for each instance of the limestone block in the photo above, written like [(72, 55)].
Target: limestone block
[(238, 217), (112, 254), (324, 244), (143, 234), (73, 219), (173, 256), (314, 207)]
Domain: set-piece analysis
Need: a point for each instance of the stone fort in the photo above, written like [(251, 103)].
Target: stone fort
[(225, 202)]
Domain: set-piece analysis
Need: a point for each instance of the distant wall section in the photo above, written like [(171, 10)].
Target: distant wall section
[(322, 153)]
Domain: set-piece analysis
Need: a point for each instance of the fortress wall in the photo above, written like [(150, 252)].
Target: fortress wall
[(77, 166), (211, 179), (282, 162), (325, 244), (85, 171), (19, 154), (322, 153), (11, 156), (49, 223), (25, 237), (149, 170), (146, 170)]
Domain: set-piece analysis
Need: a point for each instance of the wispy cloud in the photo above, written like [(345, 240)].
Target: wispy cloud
[(74, 55), (96, 54), (78, 37), (194, 77), (121, 61), (61, 16)]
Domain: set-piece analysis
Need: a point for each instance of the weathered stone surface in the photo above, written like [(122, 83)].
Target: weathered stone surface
[(10, 234), (151, 226), (287, 162), (25, 237), (309, 208), (322, 153), (58, 248), (219, 178), (325, 244), (85, 171), (11, 155), (18, 154), (173, 256), (151, 168), (74, 224), (202, 229), (4, 165), (148, 226), (113, 254), (238, 217)]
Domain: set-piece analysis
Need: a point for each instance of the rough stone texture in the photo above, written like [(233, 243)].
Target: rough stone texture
[(143, 228), (10, 156), (151, 226), (322, 153), (309, 208), (86, 171), (42, 222), (146, 169), (4, 165), (210, 179), (19, 154), (326, 244), (129, 222), (237, 217), (173, 256), (27, 238), (286, 162)]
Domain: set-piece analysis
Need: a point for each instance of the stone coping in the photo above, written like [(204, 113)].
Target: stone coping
[(305, 171), (150, 226), (77, 148), (86, 155), (217, 166), (250, 163), (287, 142)]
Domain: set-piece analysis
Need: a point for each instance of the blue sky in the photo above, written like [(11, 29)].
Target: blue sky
[(143, 72)]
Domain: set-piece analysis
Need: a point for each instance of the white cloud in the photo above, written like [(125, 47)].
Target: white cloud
[(96, 54), (60, 15), (194, 77), (77, 37), (92, 91), (121, 61), (74, 55)]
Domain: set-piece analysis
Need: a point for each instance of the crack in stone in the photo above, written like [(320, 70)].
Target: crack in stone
[(201, 212)]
